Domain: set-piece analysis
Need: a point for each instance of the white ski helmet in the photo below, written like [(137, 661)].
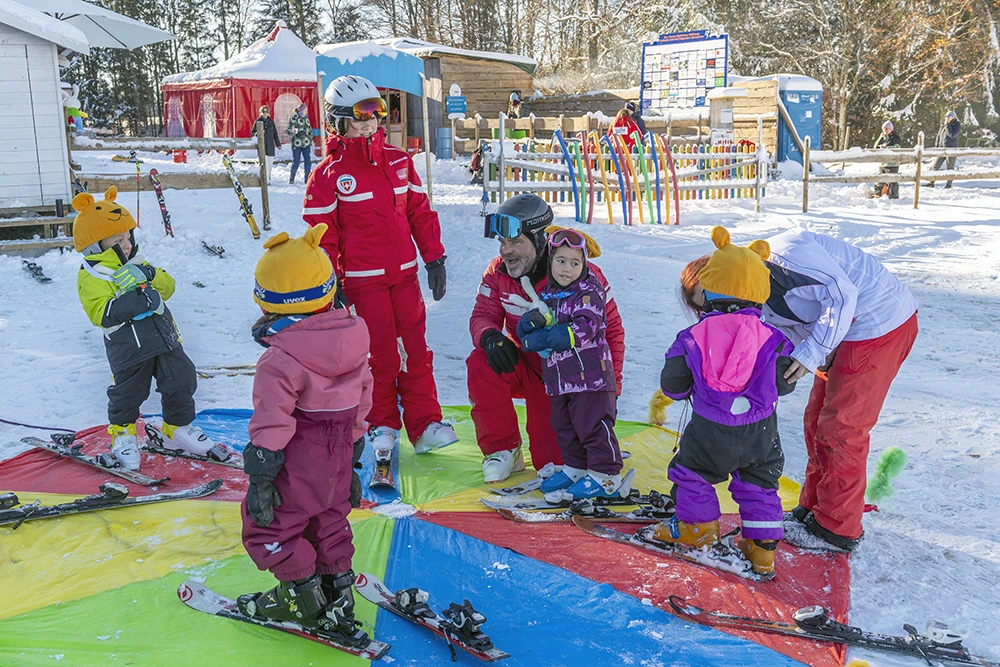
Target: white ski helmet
[(346, 91)]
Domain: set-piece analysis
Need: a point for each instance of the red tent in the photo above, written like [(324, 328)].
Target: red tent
[(223, 100)]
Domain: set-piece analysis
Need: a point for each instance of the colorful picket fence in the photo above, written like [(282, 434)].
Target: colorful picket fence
[(635, 179)]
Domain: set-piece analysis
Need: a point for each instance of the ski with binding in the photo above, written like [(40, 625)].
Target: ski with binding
[(200, 597), (459, 625), (245, 208), (112, 496), (939, 643), (154, 177), (382, 475), (218, 455), (105, 462)]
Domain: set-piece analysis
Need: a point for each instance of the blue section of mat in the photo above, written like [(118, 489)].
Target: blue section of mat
[(541, 614)]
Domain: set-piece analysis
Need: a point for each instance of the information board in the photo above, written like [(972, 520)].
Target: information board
[(679, 69)]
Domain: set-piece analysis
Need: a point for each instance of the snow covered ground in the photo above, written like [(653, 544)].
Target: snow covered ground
[(931, 552)]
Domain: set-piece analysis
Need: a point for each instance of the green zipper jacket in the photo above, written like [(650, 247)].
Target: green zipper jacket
[(127, 340)]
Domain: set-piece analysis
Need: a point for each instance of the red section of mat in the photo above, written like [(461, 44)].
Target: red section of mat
[(803, 579), (44, 472)]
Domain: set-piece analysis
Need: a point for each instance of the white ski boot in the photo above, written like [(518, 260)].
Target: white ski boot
[(498, 466), (380, 437), (125, 446), (435, 436), (188, 439)]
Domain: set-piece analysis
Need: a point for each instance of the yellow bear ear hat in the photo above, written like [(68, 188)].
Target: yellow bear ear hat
[(97, 220), (736, 271), (295, 275)]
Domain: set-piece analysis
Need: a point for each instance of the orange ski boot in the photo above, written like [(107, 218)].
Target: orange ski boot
[(760, 553), (695, 535)]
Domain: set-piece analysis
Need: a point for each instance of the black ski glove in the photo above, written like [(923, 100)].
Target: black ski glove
[(340, 296), (437, 279), (359, 448), (262, 466), (501, 353)]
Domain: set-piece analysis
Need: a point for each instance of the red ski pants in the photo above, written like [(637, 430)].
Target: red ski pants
[(394, 311), (838, 419), (310, 532), (492, 397)]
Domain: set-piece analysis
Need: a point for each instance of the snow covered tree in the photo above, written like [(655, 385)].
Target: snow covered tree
[(302, 16)]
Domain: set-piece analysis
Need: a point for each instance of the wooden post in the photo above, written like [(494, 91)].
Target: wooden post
[(531, 126), (501, 168), (920, 164), (670, 127), (477, 119), (454, 140), (847, 142), (805, 174), (322, 112), (262, 157), (761, 164), (561, 128), (698, 143), (427, 137)]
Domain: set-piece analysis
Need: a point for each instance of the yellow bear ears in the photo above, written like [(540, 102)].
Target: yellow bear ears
[(312, 236), (720, 237), (85, 199)]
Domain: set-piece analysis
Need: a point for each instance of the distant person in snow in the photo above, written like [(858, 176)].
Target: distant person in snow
[(311, 392), (732, 366), (633, 111), (514, 105), (947, 137), (888, 139), (623, 126), (853, 324), (300, 131), (126, 297), (271, 139)]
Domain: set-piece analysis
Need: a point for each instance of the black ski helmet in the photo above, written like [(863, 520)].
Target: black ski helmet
[(533, 212)]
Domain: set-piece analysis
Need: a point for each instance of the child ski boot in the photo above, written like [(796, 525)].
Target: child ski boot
[(124, 448), (188, 439), (301, 601), (760, 553), (337, 616), (596, 486), (694, 535), (563, 479), (464, 623), (435, 436)]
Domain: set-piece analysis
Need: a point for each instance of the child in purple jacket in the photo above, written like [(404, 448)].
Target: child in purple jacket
[(731, 365), (578, 374)]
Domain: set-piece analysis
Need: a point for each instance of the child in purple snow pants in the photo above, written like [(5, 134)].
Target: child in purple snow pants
[(731, 366), (578, 373)]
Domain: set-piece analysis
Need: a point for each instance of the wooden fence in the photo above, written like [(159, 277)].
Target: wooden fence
[(897, 156)]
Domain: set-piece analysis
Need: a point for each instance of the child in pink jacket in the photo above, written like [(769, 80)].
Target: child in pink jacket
[(311, 393)]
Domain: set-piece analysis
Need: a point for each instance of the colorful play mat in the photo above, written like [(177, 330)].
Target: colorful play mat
[(100, 588)]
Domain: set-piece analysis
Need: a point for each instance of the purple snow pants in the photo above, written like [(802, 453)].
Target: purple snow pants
[(584, 423), (310, 532)]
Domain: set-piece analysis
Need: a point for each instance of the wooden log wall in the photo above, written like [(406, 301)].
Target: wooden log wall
[(486, 84), (761, 100)]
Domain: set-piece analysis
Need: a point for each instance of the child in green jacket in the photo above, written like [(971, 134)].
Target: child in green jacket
[(126, 296)]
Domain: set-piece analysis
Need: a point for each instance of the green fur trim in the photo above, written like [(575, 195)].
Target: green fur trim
[(889, 465)]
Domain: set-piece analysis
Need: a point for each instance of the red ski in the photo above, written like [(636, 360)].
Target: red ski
[(154, 176)]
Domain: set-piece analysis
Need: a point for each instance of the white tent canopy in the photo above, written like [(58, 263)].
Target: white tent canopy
[(281, 56), (40, 25), (102, 27)]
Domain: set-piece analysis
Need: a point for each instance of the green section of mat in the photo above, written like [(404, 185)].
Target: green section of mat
[(459, 467), (146, 624)]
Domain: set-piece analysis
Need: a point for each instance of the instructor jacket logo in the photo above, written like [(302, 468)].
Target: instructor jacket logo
[(346, 184)]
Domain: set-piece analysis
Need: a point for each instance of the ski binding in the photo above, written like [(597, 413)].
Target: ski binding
[(64, 445), (382, 475), (217, 454)]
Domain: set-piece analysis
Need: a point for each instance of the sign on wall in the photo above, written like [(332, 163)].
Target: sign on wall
[(679, 69)]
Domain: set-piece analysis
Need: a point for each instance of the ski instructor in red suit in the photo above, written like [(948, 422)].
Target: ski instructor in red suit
[(378, 216), (498, 369)]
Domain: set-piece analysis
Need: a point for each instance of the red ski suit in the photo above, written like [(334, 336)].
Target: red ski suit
[(370, 196), (624, 127), (492, 395)]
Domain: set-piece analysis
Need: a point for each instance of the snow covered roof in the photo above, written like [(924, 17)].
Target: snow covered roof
[(281, 56), (797, 82), (425, 49), (352, 52), (43, 26)]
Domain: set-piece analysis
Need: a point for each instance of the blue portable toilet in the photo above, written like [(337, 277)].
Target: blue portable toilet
[(803, 99)]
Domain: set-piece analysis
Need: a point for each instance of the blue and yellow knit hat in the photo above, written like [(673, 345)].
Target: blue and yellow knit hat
[(294, 275)]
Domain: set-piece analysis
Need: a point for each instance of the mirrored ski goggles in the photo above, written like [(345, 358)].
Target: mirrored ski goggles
[(567, 237), (502, 225), (368, 109)]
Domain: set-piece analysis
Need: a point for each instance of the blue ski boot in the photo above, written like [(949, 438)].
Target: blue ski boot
[(595, 485), (563, 479)]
